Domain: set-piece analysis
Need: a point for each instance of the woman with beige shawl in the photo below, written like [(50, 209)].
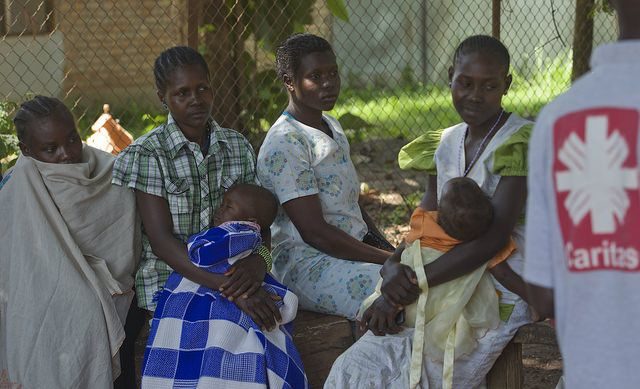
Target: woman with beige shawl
[(68, 246)]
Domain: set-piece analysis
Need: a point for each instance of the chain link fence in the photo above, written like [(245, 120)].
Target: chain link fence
[(393, 56)]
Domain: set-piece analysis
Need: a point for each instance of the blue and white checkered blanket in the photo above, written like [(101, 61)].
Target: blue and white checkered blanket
[(199, 339)]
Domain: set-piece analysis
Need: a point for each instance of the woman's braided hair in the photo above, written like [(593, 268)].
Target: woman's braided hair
[(290, 52), (483, 43), (38, 107), (174, 58)]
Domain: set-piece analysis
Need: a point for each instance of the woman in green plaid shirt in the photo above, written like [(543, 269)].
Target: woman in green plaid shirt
[(179, 172)]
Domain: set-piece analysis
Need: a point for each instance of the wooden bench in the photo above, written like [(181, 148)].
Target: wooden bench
[(322, 338), (507, 372)]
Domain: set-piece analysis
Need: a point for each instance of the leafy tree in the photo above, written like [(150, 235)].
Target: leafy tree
[(246, 97), (583, 33), (8, 140)]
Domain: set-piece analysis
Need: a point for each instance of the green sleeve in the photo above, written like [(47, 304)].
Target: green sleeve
[(510, 159), (139, 168), (419, 154)]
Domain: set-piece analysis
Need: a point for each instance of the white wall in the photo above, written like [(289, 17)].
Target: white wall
[(381, 39), (384, 37), (31, 65)]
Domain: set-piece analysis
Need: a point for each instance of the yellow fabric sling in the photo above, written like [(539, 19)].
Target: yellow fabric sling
[(458, 312), (418, 335)]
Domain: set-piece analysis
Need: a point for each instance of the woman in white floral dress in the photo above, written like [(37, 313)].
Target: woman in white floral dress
[(318, 247), (489, 147)]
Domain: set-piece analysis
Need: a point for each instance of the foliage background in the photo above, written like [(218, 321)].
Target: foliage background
[(393, 57)]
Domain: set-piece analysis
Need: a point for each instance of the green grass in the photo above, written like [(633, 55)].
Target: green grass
[(396, 113), (409, 112), (404, 112), (364, 113), (379, 113), (388, 113)]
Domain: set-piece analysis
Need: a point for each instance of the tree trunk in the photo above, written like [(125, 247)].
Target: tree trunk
[(582, 38), (224, 57), (496, 13), (193, 13)]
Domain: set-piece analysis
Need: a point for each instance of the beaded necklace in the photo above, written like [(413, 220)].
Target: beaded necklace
[(482, 144)]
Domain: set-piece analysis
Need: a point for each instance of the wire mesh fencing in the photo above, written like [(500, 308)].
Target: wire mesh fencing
[(393, 56)]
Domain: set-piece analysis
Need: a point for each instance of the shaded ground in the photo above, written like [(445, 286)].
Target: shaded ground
[(542, 366)]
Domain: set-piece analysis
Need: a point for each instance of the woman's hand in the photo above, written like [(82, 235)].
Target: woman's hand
[(380, 318), (245, 277), (399, 284), (261, 307)]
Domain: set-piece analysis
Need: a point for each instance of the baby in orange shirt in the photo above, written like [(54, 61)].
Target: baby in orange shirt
[(464, 213)]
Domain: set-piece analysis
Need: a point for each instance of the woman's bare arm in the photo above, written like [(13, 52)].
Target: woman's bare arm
[(429, 201), (306, 214), (158, 226), (542, 300)]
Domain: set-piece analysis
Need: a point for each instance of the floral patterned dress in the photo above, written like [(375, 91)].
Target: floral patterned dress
[(296, 161)]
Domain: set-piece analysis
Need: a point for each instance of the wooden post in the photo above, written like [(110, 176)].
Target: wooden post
[(320, 339), (50, 22), (193, 10), (495, 18), (582, 38), (424, 41), (223, 52), (507, 373)]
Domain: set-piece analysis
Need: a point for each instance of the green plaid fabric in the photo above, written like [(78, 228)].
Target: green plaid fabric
[(165, 164)]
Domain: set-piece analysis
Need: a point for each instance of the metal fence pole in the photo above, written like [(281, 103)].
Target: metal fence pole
[(193, 12), (495, 18)]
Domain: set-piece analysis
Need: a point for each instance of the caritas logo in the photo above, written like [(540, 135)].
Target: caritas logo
[(595, 170)]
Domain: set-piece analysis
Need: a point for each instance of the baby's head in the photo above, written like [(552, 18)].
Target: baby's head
[(47, 131), (247, 202), (464, 211)]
